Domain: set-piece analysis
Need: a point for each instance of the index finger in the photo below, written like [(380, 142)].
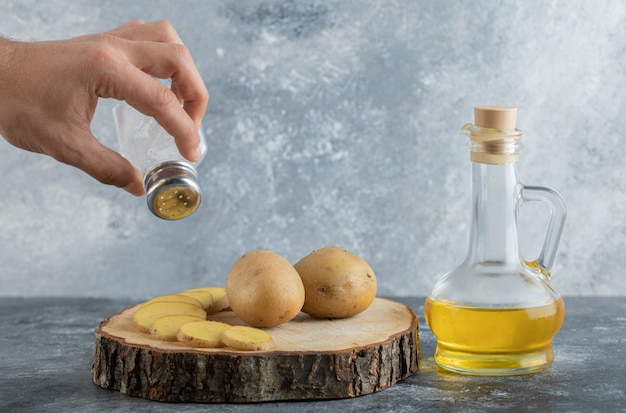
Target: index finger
[(160, 31), (136, 63), (152, 98), (173, 61), (187, 83)]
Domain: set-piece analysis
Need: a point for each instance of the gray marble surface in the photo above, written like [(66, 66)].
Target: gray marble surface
[(46, 349), (336, 122)]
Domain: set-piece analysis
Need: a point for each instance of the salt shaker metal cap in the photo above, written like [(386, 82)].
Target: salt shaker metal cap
[(172, 190)]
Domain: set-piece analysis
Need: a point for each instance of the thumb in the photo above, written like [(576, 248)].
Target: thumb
[(102, 163)]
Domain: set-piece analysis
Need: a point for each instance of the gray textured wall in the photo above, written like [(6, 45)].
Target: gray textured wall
[(336, 122)]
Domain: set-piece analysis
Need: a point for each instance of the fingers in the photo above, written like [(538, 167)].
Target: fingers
[(105, 165), (127, 25), (192, 92), (155, 99), (156, 50), (174, 61), (159, 31), (65, 140), (109, 167)]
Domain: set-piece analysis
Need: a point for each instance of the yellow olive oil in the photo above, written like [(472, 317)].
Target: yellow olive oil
[(493, 341)]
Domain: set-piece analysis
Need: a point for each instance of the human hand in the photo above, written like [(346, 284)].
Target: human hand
[(50, 91)]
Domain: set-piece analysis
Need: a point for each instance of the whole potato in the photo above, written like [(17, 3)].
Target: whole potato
[(264, 289), (337, 283)]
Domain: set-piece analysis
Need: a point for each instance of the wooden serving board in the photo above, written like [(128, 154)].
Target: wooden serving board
[(312, 359)]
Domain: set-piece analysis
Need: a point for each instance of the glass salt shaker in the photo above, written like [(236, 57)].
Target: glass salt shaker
[(170, 181)]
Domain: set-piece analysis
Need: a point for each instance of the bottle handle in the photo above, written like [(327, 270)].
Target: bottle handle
[(558, 213)]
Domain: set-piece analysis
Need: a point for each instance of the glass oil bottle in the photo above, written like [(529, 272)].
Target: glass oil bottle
[(496, 314)]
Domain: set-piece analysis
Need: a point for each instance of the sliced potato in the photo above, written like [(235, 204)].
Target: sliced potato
[(147, 314), (202, 333), (176, 298), (166, 328), (247, 339), (220, 300), (204, 296)]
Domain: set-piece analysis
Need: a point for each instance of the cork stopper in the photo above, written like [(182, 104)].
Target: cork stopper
[(495, 117), (493, 137)]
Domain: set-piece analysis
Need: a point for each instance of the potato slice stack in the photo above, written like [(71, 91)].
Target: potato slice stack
[(184, 316)]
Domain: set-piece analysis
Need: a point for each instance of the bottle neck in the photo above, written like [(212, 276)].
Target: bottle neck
[(495, 195)]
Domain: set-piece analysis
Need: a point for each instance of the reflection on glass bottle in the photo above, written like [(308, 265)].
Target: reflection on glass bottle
[(170, 181), (496, 314)]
